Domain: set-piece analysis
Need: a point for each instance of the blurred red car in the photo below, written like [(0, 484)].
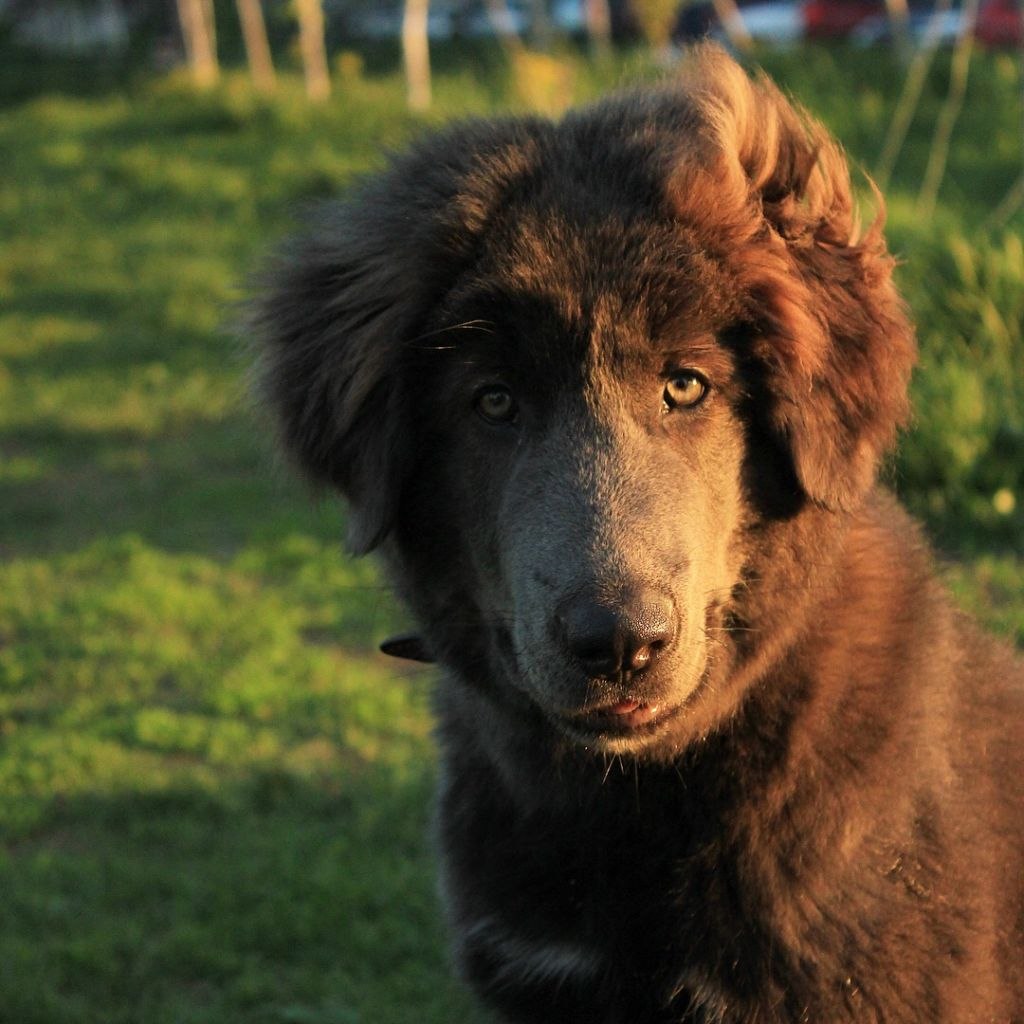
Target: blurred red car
[(831, 18), (1000, 23)]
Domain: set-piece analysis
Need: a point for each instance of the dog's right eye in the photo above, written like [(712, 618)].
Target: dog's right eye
[(496, 405), (684, 390)]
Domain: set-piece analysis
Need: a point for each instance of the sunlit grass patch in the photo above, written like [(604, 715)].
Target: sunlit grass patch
[(26, 335), (119, 653)]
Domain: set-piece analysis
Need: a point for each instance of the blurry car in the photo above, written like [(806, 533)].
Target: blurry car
[(830, 19), (1000, 23)]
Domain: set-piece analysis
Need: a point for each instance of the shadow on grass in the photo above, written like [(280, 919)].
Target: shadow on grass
[(26, 74), (274, 899), (203, 487)]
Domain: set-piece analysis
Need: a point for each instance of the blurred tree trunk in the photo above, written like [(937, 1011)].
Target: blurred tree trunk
[(655, 20), (540, 25), (598, 14), (211, 24), (197, 30), (416, 53), (899, 19), (735, 28), (314, 51), (257, 49)]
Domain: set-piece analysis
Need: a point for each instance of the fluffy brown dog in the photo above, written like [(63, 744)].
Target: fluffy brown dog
[(609, 395)]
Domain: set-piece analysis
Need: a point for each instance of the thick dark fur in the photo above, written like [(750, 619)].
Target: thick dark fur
[(803, 800)]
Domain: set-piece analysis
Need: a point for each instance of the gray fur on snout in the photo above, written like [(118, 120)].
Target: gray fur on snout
[(595, 513)]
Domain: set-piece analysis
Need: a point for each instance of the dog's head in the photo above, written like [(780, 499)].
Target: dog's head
[(566, 374)]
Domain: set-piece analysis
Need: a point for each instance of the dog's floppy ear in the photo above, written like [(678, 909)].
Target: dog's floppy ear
[(829, 325), (840, 401), (331, 315), (335, 313)]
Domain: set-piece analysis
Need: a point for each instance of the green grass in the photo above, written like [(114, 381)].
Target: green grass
[(214, 797)]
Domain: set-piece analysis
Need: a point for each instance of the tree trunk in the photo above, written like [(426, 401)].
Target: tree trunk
[(211, 24), (655, 18), (599, 27), (416, 53), (257, 49), (733, 25), (899, 20), (540, 25), (200, 47), (314, 53)]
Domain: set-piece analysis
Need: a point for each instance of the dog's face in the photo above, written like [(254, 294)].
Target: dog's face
[(580, 452), (568, 375)]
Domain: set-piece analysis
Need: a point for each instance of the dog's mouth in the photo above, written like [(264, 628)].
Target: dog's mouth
[(610, 716), (624, 718)]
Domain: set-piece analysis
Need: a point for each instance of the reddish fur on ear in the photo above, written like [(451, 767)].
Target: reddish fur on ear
[(768, 191)]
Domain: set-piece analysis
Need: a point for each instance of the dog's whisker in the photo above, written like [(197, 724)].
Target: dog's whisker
[(484, 326)]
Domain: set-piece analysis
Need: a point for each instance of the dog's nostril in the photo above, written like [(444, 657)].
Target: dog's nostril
[(642, 655), (651, 627), (607, 640), (593, 636)]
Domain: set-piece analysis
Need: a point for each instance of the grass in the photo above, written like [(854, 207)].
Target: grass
[(213, 796)]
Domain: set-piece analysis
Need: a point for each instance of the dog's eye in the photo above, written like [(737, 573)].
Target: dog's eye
[(496, 405), (684, 390)]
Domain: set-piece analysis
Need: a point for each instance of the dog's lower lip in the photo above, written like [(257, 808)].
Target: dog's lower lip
[(623, 715), (624, 707)]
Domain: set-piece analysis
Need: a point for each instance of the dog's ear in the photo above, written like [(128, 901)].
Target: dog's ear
[(335, 314), (828, 324), (330, 317)]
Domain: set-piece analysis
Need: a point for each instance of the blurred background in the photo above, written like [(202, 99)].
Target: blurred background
[(214, 794)]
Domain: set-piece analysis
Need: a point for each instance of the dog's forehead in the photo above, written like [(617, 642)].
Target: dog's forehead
[(600, 284)]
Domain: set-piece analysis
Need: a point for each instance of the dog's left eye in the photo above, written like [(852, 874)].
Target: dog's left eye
[(684, 391), (496, 405)]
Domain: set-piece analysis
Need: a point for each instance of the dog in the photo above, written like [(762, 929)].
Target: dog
[(608, 396)]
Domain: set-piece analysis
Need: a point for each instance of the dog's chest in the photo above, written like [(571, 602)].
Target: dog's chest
[(574, 911), (546, 945)]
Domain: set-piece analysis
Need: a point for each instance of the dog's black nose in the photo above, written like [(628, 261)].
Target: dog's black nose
[(607, 640)]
